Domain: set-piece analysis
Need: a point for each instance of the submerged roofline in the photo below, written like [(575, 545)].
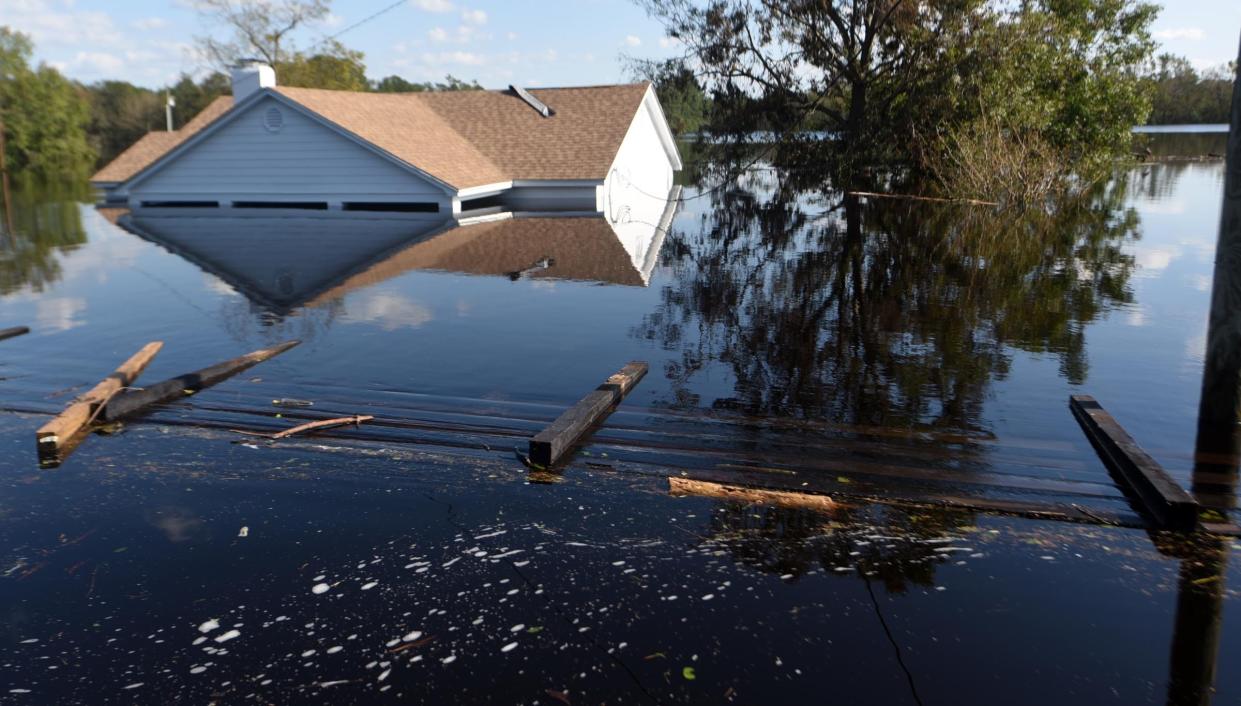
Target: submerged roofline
[(235, 112)]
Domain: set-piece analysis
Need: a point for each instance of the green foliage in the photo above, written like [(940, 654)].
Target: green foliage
[(120, 114), (337, 69), (45, 116), (191, 97), (848, 85), (396, 84), (1181, 95), (684, 103)]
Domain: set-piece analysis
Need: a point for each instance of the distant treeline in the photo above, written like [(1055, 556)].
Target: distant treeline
[(55, 127), (1181, 95)]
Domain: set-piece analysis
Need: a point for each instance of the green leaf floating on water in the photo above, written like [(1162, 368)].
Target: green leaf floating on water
[(688, 673)]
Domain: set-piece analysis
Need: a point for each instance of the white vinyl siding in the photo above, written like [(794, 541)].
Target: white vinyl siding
[(641, 177), (303, 161)]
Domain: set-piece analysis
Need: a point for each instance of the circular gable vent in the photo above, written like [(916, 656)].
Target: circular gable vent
[(273, 120)]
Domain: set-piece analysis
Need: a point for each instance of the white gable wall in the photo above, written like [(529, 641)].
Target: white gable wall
[(303, 161), (641, 177)]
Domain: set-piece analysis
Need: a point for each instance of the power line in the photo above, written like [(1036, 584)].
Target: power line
[(361, 22)]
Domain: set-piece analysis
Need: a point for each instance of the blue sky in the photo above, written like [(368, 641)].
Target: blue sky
[(497, 42)]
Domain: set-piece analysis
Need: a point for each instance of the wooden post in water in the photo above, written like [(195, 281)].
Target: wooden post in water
[(12, 332), (550, 445), (1221, 375), (188, 384), (55, 436)]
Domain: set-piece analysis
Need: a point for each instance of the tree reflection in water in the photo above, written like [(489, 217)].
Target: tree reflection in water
[(887, 544), (39, 221), (884, 312)]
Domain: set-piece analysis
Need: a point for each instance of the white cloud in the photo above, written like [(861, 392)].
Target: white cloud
[(1192, 34), (465, 58), (476, 17), (669, 42), (332, 20), (97, 62), (461, 35), (58, 24), (432, 5), (60, 313), (633, 41), (391, 312), (510, 36), (150, 23)]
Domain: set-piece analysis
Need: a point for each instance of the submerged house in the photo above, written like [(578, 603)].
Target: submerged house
[(576, 150)]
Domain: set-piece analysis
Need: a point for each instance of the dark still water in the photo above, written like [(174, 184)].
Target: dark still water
[(913, 361)]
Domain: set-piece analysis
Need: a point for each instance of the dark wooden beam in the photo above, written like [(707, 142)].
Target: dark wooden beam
[(53, 437), (548, 446), (188, 384), (1220, 402), (11, 332), (1160, 496)]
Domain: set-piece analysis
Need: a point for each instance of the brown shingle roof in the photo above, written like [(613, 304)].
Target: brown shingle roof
[(579, 141), (403, 126), (154, 145), (463, 138)]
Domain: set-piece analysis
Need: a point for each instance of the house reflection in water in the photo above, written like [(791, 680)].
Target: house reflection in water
[(285, 259)]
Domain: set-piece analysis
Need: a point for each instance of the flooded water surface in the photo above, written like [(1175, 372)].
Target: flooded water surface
[(912, 361)]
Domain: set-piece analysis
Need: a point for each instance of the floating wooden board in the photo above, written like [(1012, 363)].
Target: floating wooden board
[(11, 332), (1160, 496), (53, 437), (188, 384), (736, 493), (908, 497), (548, 446)]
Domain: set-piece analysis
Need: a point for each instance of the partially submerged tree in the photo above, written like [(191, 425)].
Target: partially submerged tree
[(684, 103), (44, 115), (849, 85)]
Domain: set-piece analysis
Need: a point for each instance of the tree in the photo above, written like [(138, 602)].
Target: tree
[(396, 84), (684, 103), (120, 113), (260, 29), (45, 116), (265, 29), (854, 84), (191, 96), (338, 69), (1179, 94)]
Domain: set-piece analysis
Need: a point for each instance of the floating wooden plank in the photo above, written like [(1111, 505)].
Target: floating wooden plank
[(736, 493), (53, 437), (1160, 496), (317, 425), (911, 498), (11, 332), (549, 445), (188, 384)]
